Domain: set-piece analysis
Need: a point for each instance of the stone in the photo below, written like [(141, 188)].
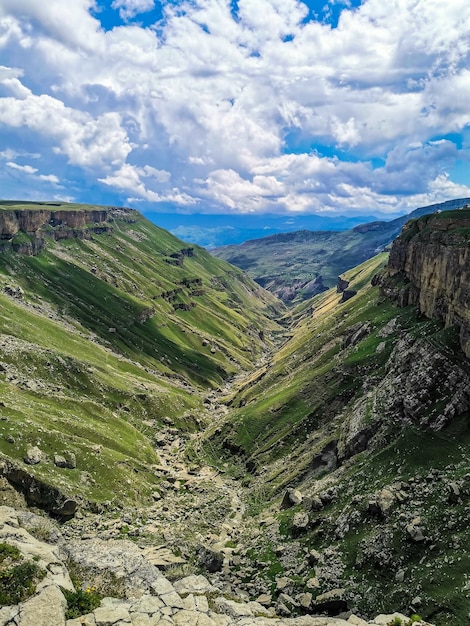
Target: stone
[(162, 586), (305, 599), (44, 609), (233, 609), (317, 504), (356, 621), (107, 616), (213, 620), (283, 582), (7, 613), (285, 604), (400, 576), (66, 508), (386, 501), (314, 556), (61, 461), (147, 604), (162, 557), (33, 456), (142, 619), (71, 461), (332, 601), (173, 600), (454, 492), (14, 292), (121, 557), (264, 599), (201, 604), (384, 620), (210, 559), (415, 532), (83, 620), (342, 284), (196, 584), (300, 521), (186, 618), (291, 497)]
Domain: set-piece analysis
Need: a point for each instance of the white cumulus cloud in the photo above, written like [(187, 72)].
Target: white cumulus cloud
[(131, 8), (251, 106)]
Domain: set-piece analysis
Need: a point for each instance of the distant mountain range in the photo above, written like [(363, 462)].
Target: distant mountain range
[(212, 231), (298, 265)]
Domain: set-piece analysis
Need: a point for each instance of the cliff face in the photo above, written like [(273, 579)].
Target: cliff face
[(31, 221), (429, 266), (26, 228)]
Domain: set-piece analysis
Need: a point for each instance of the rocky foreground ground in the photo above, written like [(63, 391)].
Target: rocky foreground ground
[(147, 597)]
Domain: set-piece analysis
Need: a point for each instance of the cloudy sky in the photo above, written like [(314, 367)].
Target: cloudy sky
[(337, 106)]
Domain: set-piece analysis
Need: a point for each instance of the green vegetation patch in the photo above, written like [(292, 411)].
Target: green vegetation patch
[(18, 576)]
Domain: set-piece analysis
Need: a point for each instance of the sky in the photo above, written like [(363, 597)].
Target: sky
[(236, 106)]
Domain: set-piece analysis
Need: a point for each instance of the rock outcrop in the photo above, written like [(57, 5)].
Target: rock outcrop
[(30, 221), (429, 266), (37, 492), (150, 598), (25, 229)]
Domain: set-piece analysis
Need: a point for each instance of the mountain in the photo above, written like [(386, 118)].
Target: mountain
[(298, 265), (110, 329), (357, 435), (206, 456), (212, 231)]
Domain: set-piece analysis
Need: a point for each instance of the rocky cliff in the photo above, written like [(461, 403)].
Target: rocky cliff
[(25, 228), (429, 267)]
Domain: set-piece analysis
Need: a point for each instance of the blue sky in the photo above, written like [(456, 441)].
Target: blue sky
[(236, 106)]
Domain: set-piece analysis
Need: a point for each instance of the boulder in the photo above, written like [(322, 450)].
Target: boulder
[(300, 522), (415, 530), (314, 556), (292, 497), (44, 609), (33, 455), (331, 602), (195, 584), (209, 559)]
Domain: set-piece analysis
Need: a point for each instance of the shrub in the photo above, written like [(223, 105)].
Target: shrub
[(18, 577), (81, 602)]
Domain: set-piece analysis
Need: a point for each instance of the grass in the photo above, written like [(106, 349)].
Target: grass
[(288, 413), (290, 398), (18, 576), (84, 372)]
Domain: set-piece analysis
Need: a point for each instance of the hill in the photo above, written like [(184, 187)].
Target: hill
[(111, 330), (356, 433), (173, 417), (298, 265)]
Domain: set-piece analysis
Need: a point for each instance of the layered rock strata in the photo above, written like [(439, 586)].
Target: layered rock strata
[(25, 229), (429, 266)]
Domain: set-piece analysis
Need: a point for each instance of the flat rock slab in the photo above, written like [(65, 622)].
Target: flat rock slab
[(162, 557), (44, 609)]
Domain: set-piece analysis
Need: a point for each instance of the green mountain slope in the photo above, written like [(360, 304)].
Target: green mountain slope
[(111, 329), (300, 264), (332, 470), (365, 411)]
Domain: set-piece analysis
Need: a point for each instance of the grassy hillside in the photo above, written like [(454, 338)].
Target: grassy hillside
[(298, 265), (104, 340), (349, 412)]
